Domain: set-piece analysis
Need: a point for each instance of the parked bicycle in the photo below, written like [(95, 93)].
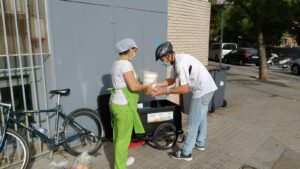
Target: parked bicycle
[(81, 130)]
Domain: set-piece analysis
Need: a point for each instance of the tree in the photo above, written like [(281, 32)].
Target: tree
[(296, 19), (215, 26), (262, 21), (268, 18)]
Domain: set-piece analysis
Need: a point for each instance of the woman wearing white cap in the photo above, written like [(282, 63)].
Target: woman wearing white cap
[(123, 102)]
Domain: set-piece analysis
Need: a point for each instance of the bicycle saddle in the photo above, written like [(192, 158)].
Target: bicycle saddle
[(63, 92)]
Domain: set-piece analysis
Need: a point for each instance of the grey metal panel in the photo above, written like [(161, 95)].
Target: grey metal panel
[(107, 3), (148, 29), (152, 5), (84, 36), (83, 48), (144, 5)]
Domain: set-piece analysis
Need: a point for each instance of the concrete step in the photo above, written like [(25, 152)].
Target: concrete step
[(273, 155), (288, 160)]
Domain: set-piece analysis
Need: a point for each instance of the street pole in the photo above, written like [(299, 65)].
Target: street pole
[(221, 38), (239, 41)]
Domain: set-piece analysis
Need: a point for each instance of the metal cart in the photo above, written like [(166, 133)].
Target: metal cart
[(162, 123), (161, 120)]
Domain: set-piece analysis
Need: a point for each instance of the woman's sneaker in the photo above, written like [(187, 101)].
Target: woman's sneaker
[(202, 148), (130, 161), (179, 155)]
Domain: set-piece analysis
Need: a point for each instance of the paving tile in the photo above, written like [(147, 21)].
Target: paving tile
[(255, 112)]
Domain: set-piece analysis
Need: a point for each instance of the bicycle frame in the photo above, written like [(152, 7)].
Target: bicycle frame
[(50, 140), (4, 129)]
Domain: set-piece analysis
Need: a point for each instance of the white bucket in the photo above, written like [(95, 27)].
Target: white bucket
[(149, 77)]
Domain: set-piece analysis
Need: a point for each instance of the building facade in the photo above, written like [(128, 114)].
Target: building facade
[(55, 44), (188, 29)]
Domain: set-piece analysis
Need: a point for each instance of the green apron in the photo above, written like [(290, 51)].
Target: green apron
[(125, 118)]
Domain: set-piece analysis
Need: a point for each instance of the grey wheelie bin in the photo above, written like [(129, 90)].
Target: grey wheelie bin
[(218, 73)]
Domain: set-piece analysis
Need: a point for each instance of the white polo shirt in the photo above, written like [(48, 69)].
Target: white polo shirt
[(199, 79), (118, 69)]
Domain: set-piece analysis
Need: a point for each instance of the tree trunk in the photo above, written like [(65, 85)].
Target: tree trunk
[(263, 69)]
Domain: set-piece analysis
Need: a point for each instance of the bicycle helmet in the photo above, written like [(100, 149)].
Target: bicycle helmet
[(163, 49)]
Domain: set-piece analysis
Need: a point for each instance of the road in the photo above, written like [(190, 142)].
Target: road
[(274, 72)]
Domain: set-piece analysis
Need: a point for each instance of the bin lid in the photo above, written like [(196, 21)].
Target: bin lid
[(215, 67)]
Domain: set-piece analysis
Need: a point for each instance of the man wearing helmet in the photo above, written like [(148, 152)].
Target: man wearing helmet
[(193, 76)]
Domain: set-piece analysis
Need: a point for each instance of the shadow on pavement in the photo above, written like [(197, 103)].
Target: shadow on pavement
[(109, 153)]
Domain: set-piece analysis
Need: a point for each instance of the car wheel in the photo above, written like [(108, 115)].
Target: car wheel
[(241, 62), (296, 69)]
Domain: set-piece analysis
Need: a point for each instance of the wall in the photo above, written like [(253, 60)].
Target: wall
[(188, 27), (84, 33)]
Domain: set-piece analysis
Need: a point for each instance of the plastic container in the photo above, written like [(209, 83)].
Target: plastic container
[(149, 77)]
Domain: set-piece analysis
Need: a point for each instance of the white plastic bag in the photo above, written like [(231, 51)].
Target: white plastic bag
[(60, 165), (84, 161)]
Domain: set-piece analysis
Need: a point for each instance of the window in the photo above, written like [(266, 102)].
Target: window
[(23, 49), (229, 46)]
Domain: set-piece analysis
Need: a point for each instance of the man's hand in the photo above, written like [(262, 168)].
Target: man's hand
[(151, 89), (162, 91), (159, 91)]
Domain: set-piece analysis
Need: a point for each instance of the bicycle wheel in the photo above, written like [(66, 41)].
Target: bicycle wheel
[(83, 132), (16, 152)]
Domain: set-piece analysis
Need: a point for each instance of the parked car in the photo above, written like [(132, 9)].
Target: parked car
[(215, 50), (242, 56), (295, 66)]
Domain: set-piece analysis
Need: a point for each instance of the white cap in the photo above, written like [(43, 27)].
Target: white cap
[(125, 44)]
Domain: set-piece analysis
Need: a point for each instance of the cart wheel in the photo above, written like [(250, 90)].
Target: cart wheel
[(224, 103), (165, 136)]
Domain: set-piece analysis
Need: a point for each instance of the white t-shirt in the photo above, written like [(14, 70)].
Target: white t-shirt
[(118, 69), (199, 79)]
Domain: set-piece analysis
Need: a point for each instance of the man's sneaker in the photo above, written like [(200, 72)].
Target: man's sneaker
[(178, 155), (130, 161), (202, 148)]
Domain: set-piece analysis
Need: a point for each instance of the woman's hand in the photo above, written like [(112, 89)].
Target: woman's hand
[(151, 89), (159, 91)]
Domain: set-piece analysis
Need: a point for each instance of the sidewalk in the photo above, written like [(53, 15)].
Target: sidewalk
[(256, 111)]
